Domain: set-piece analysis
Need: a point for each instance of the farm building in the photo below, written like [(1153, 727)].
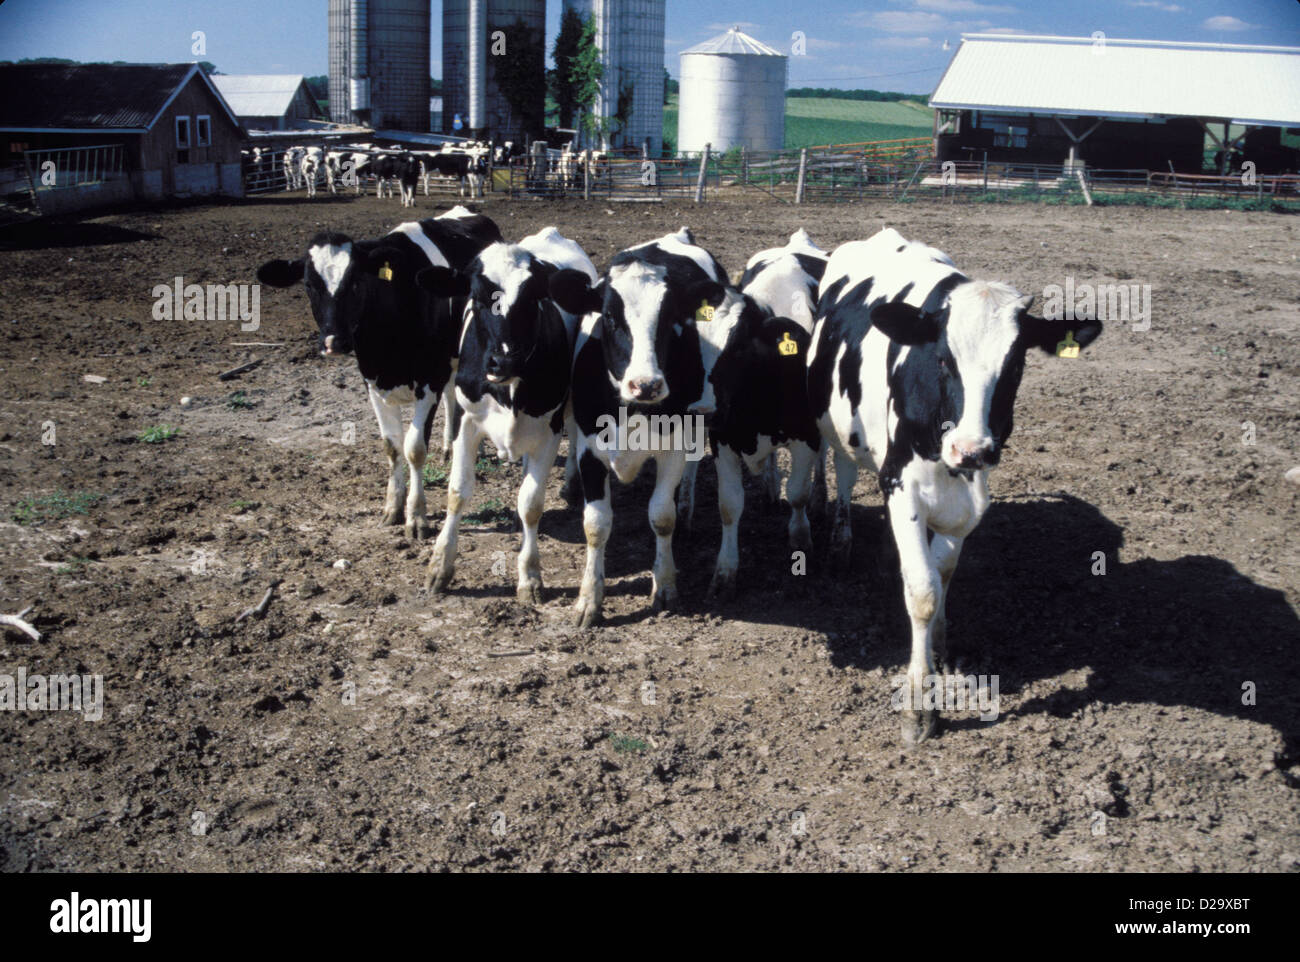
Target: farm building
[(379, 63), (93, 134), (1135, 104), (469, 70), (269, 101), (732, 95)]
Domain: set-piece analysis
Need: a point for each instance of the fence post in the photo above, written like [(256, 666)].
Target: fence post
[(986, 171), (803, 173), (704, 169), (586, 178), (744, 167)]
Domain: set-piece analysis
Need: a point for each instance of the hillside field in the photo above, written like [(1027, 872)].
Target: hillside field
[(813, 121)]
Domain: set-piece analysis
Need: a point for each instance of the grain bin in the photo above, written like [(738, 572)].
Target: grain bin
[(501, 121), (732, 95), (379, 63), (630, 35)]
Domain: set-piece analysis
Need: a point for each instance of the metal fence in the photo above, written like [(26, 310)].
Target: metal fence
[(265, 174), (62, 168)]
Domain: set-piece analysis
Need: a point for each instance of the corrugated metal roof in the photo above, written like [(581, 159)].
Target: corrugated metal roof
[(86, 96), (1123, 78), (258, 94), (733, 42)]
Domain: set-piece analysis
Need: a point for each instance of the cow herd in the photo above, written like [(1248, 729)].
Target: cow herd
[(881, 353), (394, 171)]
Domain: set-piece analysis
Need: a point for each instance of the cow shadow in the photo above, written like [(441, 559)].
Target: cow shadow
[(1030, 601), (60, 232)]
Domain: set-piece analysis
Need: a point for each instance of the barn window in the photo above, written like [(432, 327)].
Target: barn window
[(182, 132), (1007, 131), (203, 130)]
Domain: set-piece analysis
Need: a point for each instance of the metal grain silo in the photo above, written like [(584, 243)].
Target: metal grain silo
[(732, 95), (630, 34), (467, 45), (379, 63)]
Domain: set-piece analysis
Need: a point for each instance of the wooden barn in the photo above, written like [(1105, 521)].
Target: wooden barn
[(85, 135), (1117, 104), (269, 101)]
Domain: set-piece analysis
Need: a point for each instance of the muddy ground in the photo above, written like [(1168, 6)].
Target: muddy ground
[(755, 734)]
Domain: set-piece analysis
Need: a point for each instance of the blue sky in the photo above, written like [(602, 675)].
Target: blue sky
[(887, 44)]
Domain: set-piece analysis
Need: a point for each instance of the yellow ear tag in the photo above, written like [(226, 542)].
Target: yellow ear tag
[(704, 314), (385, 272), (1069, 347), (787, 346)]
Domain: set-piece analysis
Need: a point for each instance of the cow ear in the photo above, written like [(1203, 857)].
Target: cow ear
[(281, 273), (386, 262), (572, 291), (443, 281), (904, 324), (1051, 335), (704, 292)]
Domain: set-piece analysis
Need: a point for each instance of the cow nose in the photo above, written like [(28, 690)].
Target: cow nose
[(970, 454), (646, 388)]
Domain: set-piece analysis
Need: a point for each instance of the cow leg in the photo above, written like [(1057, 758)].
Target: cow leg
[(416, 450), (944, 552), (923, 593), (798, 489), (451, 417), (846, 475), (669, 468), (532, 497), (771, 481), (597, 520), (731, 505), (460, 488), (572, 489), (389, 417), (686, 496), (817, 502)]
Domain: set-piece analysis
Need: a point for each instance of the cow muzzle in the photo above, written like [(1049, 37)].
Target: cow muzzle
[(964, 454), (645, 390)]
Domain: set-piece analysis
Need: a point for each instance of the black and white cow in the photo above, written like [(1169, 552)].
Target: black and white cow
[(913, 374), (512, 382), (293, 167), (638, 353), (313, 158), (366, 301), (468, 168)]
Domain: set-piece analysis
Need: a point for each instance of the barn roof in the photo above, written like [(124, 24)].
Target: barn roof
[(93, 96), (1148, 79), (733, 42), (260, 94)]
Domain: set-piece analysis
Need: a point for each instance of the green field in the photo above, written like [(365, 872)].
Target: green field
[(813, 121)]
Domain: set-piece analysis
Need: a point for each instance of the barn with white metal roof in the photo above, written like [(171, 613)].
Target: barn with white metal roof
[(269, 101), (1117, 103)]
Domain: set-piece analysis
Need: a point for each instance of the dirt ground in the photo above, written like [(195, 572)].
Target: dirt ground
[(364, 725)]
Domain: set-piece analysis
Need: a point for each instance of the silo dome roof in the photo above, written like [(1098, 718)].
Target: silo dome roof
[(733, 42)]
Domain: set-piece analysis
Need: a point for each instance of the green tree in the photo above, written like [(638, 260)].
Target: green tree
[(565, 53), (586, 74), (516, 72), (671, 87)]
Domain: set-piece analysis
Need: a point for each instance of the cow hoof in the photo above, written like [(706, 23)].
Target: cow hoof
[(529, 593), (415, 530), (586, 613), (436, 583), (390, 517), (723, 586), (917, 726), (663, 599)]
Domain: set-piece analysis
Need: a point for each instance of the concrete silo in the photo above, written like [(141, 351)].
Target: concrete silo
[(732, 95), (469, 84), (630, 34), (379, 63)]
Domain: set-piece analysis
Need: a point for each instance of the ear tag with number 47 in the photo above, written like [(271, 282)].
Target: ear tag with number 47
[(1069, 347), (788, 347), (704, 313), (385, 272)]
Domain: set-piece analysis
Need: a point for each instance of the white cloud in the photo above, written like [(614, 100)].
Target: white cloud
[(1008, 30), (1227, 23), (1156, 5), (902, 21), (909, 42), (962, 6)]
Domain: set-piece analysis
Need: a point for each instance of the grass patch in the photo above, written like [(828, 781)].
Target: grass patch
[(239, 505), (238, 402), (434, 474), (73, 566), (53, 507), (627, 745), (492, 511), (143, 381), (486, 465), (158, 433)]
